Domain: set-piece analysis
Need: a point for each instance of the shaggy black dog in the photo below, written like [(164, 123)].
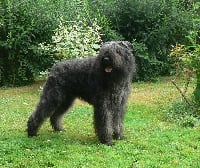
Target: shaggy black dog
[(103, 81)]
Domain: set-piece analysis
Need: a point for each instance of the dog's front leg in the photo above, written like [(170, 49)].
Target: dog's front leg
[(103, 124)]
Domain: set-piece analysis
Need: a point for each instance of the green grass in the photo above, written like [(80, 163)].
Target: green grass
[(151, 140)]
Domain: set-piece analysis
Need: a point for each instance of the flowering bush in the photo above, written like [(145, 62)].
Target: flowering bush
[(188, 60), (75, 40)]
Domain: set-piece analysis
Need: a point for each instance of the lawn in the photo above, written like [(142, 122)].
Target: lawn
[(151, 139)]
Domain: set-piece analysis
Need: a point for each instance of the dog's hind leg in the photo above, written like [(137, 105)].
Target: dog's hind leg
[(49, 101), (56, 118)]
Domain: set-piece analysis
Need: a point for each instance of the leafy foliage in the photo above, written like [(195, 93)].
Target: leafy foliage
[(188, 60), (22, 31), (157, 24), (187, 57), (73, 40), (147, 68), (108, 33), (29, 32)]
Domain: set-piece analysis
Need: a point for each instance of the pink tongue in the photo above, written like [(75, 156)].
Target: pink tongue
[(108, 69)]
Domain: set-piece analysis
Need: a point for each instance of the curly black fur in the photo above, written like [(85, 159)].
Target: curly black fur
[(103, 81)]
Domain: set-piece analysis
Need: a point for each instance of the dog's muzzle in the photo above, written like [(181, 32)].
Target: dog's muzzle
[(107, 64)]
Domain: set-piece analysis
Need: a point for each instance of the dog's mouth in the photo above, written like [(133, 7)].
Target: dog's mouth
[(108, 69)]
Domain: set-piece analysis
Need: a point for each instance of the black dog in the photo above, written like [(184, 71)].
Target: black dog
[(103, 81)]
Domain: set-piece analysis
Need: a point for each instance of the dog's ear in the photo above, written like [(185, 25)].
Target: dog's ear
[(127, 45)]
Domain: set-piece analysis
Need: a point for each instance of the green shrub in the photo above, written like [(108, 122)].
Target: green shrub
[(21, 31), (155, 23), (24, 26), (108, 33), (187, 61), (187, 57), (145, 64), (73, 40)]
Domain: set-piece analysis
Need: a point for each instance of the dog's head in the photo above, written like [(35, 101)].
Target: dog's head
[(116, 57)]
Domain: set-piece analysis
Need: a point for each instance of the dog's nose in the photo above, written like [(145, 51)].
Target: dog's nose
[(106, 59)]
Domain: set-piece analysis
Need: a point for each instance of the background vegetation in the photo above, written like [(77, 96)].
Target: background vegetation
[(35, 34), (27, 25), (153, 26)]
